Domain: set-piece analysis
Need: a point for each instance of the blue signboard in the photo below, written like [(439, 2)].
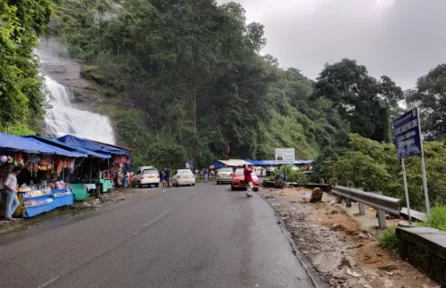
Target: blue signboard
[(407, 134)]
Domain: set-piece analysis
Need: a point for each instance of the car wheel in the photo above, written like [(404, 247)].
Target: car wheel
[(193, 184), (157, 185), (218, 182)]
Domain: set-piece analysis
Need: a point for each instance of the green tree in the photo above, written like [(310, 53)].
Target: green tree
[(361, 100), (21, 97), (430, 95)]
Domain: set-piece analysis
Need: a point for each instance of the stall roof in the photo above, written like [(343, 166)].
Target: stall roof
[(91, 145), (30, 145), (234, 162), (115, 146), (71, 147), (276, 163)]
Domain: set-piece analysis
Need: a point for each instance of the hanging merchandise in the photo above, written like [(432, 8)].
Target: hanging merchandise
[(3, 159), (20, 161), (10, 160)]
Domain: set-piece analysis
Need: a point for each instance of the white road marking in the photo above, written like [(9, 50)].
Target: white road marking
[(48, 282)]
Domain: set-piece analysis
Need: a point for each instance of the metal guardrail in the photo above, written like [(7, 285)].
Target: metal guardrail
[(373, 199)]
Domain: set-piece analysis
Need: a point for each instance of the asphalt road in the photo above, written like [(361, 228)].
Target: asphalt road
[(203, 236)]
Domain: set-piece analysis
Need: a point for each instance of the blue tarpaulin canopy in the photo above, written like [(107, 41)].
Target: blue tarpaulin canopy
[(71, 147), (91, 145), (276, 163), (238, 162), (30, 145)]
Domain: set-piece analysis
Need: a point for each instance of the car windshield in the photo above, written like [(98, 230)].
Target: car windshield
[(185, 172), (225, 170), (150, 172), (239, 172)]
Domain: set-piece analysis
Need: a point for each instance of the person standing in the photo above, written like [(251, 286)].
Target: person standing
[(12, 201), (125, 179), (248, 180), (164, 178), (206, 175), (168, 177)]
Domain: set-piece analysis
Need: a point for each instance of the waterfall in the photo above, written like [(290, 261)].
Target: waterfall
[(63, 117)]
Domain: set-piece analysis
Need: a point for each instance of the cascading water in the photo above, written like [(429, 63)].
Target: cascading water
[(63, 116)]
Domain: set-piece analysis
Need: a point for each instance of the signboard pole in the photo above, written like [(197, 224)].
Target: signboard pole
[(406, 192), (423, 169)]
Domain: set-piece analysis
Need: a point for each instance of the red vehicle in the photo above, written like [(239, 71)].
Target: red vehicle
[(238, 180)]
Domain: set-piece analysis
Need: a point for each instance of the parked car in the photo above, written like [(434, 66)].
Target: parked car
[(238, 180), (147, 175), (183, 177), (224, 175)]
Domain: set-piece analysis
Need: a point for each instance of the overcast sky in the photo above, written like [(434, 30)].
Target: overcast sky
[(403, 39)]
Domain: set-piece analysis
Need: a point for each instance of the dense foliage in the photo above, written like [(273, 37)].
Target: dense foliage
[(191, 72), (430, 96), (366, 103), (375, 167), (21, 98)]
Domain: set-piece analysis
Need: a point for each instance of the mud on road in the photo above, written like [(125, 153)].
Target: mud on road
[(341, 250)]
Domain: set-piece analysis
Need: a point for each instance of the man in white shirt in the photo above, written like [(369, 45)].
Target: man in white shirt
[(11, 190)]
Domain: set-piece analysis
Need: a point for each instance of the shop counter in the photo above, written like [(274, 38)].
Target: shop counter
[(106, 185), (32, 211), (79, 191)]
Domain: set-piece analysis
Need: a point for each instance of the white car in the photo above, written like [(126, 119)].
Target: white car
[(147, 175), (224, 175), (183, 177)]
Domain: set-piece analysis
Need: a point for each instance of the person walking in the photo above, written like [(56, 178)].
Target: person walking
[(248, 180), (12, 201)]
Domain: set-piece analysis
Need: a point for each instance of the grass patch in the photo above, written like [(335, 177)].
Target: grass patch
[(388, 240), (437, 219)]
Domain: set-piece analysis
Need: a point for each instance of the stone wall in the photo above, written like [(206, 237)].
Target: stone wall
[(425, 249)]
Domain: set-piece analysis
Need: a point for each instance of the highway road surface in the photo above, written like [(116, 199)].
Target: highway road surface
[(203, 236)]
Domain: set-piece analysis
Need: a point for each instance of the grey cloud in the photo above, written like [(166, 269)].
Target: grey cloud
[(403, 39)]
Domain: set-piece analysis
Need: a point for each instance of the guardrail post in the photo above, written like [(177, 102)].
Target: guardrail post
[(381, 215), (338, 199), (382, 219), (361, 205), (348, 202)]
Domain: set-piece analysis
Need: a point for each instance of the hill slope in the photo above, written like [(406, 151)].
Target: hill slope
[(184, 77)]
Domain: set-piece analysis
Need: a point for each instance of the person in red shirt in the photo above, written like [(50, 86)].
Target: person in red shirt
[(248, 180)]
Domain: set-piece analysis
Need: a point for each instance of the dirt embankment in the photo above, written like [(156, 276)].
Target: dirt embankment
[(342, 246)]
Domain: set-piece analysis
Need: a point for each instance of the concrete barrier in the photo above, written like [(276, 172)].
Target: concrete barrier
[(425, 249)]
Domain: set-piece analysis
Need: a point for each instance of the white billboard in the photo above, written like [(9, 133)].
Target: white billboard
[(285, 154)]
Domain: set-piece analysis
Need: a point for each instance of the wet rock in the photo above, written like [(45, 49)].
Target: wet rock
[(316, 196), (362, 236), (387, 268), (336, 227)]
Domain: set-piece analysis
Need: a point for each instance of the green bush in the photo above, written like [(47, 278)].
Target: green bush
[(389, 241), (437, 219)]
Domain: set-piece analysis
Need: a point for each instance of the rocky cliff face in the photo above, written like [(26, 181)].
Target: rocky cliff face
[(56, 63), (73, 101)]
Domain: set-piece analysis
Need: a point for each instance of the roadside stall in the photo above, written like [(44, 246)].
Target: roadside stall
[(41, 185), (82, 173), (102, 173)]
